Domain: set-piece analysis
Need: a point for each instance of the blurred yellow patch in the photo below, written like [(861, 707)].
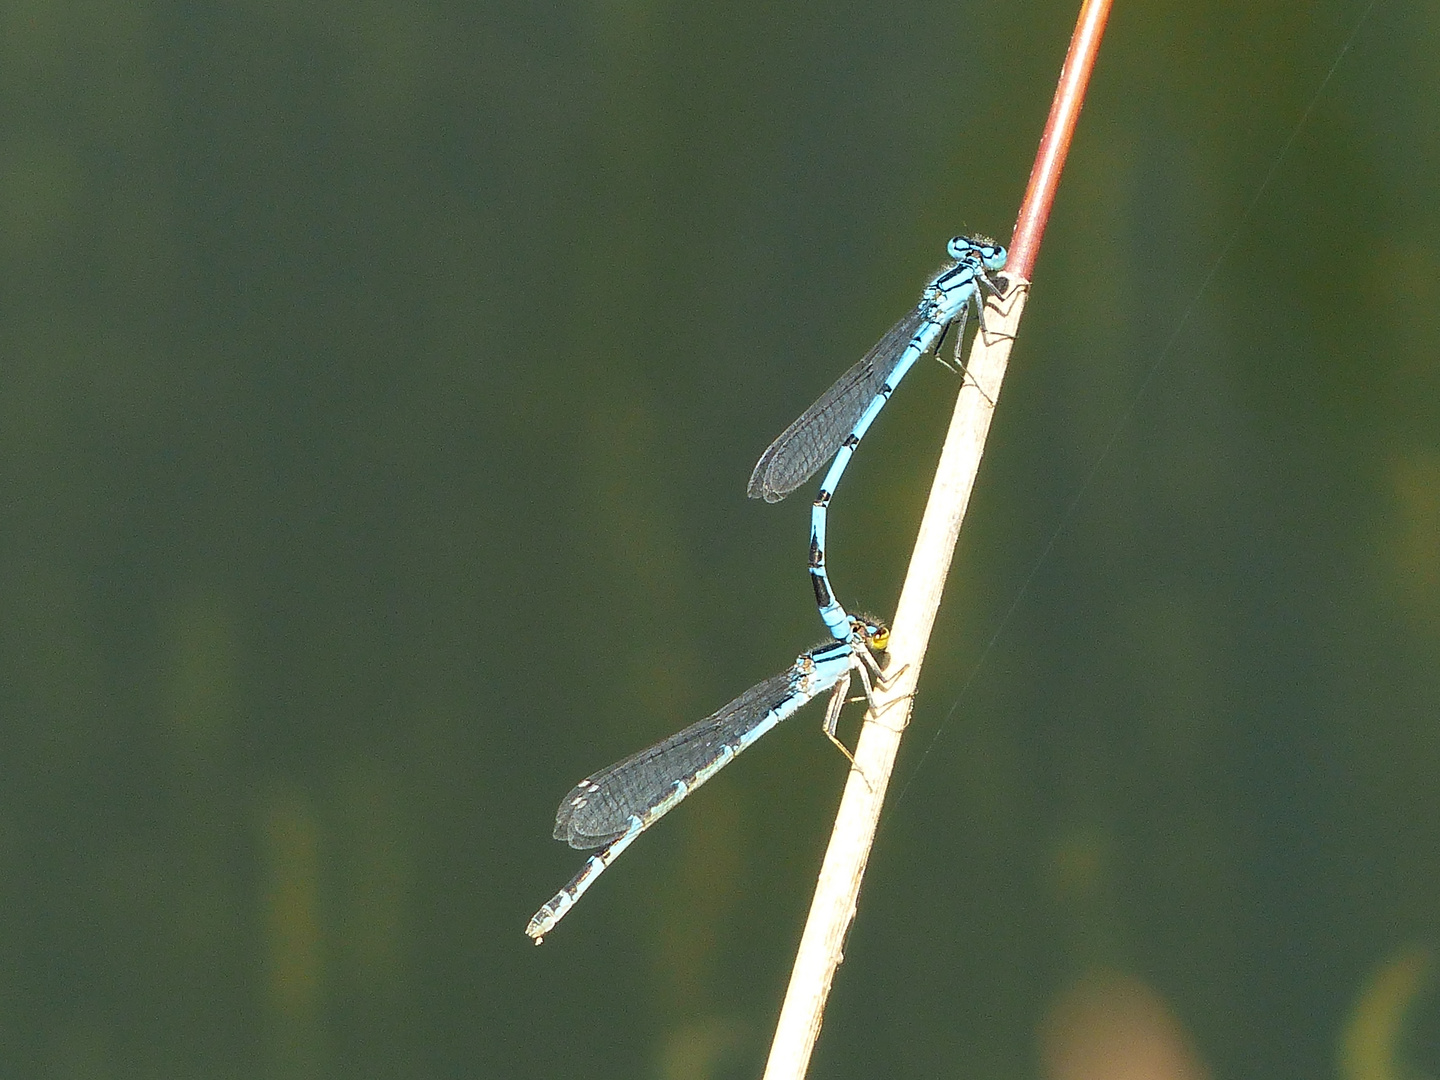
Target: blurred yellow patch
[(1369, 1042)]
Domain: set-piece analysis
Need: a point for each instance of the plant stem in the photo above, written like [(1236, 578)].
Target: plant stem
[(838, 888)]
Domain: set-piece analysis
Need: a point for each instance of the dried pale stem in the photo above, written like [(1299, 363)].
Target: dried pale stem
[(838, 889), (839, 885)]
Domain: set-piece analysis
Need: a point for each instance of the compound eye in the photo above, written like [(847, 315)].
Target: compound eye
[(959, 246), (880, 639)]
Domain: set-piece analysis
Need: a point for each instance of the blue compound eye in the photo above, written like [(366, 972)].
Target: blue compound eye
[(960, 246)]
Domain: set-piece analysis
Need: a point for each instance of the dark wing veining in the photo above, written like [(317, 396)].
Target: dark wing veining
[(813, 439), (598, 809)]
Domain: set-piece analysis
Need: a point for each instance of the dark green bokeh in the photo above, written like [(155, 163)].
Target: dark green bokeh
[(379, 387)]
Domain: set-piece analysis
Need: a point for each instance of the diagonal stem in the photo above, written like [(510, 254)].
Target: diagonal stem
[(838, 888), (859, 816)]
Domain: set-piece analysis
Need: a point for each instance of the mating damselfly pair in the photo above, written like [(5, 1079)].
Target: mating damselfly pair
[(612, 807)]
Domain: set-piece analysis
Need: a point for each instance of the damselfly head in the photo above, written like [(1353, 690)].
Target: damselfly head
[(990, 254), (993, 256), (960, 246), (870, 630)]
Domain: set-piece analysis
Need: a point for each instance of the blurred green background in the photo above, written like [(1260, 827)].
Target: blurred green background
[(379, 386)]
